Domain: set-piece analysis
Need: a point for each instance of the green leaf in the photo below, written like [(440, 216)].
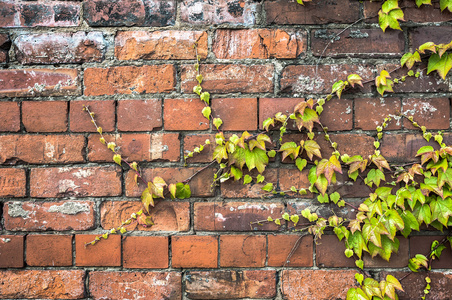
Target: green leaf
[(307, 119), (117, 159), (111, 146), (267, 123), (390, 19), (172, 189), (348, 253), (268, 187), (295, 219), (206, 111), (441, 210), (197, 89), (217, 122), (278, 222), (183, 191), (199, 78), (409, 59), (122, 230), (256, 158), (321, 184), (423, 213), (421, 2), (389, 5), (360, 264), (323, 198), (443, 4), (147, 199), (329, 167), (374, 177), (390, 285), (290, 149), (393, 222), (373, 230), (236, 173), (357, 243), (338, 87), (247, 179), (409, 222), (441, 64), (300, 163), (356, 294), (260, 178), (335, 197)]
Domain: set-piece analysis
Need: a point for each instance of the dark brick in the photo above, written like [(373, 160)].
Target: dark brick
[(435, 34), (422, 245), (5, 44), (433, 113), (380, 108)]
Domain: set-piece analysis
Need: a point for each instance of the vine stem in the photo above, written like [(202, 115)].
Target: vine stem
[(199, 171)]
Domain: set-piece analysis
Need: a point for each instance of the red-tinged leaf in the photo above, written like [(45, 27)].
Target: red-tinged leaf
[(147, 199), (289, 149), (415, 169), (380, 162), (300, 107), (445, 150), (328, 167), (427, 153), (267, 123), (157, 187), (241, 142), (430, 46), (409, 59), (321, 184), (307, 119), (381, 80), (372, 231), (356, 163), (354, 79), (312, 148), (442, 48)]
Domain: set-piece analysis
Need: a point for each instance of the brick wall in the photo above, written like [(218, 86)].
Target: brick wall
[(132, 62)]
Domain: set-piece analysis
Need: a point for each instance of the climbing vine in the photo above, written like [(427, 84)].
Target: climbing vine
[(402, 198)]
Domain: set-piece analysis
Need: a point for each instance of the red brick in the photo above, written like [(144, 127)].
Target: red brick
[(11, 251), (279, 247), (243, 251), (426, 13), (145, 252), (32, 14), (184, 114), (60, 47), (227, 284), (165, 146), (49, 250), (193, 251), (41, 216), (44, 116), (293, 177), (9, 116), (315, 12), (195, 140), (105, 253), (235, 216), (316, 284), (5, 44), (229, 78), (44, 284), (199, 185), (139, 115), (170, 44), (166, 215), (239, 12), (368, 42), (237, 113), (380, 108), (413, 285), (422, 245), (12, 182), (104, 114), (433, 113), (352, 144), (259, 43), (301, 78), (434, 34), (74, 181), (129, 80), (134, 285), (337, 115), (41, 149), (133, 147), (130, 12), (236, 189), (431, 83), (39, 82)]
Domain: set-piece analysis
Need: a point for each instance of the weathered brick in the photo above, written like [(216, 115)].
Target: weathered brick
[(413, 285), (301, 78), (39, 82), (39, 149), (236, 189), (337, 115), (105, 253), (229, 78), (184, 114), (320, 12), (9, 116), (130, 12), (403, 147), (166, 215), (193, 251), (133, 147), (293, 177), (248, 284), (371, 112), (145, 252), (139, 115), (129, 80), (259, 43), (243, 251), (237, 113), (239, 12), (104, 114), (44, 284), (11, 251), (433, 113), (192, 141), (365, 42), (165, 146), (61, 47), (316, 284), (49, 250), (235, 216), (171, 44), (12, 182), (279, 247), (75, 181), (44, 116), (422, 245), (199, 185), (133, 285), (43, 14), (41, 216), (352, 144), (5, 44)]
